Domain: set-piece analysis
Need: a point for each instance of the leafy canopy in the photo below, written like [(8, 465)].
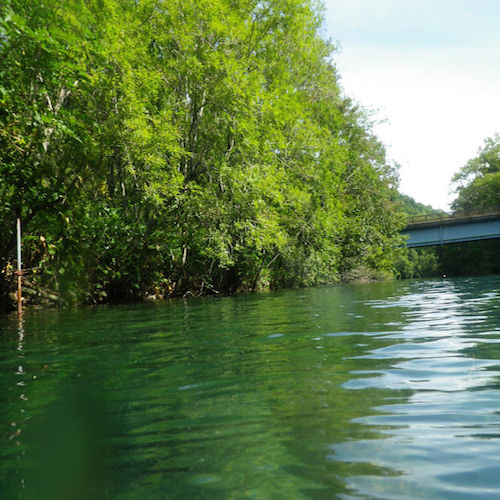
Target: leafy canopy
[(160, 147)]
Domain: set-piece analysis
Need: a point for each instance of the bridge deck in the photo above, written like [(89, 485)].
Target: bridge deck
[(455, 228)]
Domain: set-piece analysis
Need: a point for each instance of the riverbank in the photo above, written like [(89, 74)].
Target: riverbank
[(36, 296)]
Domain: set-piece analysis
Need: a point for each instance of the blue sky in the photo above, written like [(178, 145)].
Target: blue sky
[(430, 73)]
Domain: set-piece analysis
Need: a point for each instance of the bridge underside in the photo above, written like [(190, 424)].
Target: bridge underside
[(441, 233)]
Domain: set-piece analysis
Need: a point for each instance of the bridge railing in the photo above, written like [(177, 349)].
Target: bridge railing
[(458, 214)]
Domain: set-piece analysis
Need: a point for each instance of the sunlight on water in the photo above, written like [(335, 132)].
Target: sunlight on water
[(443, 439), (385, 390)]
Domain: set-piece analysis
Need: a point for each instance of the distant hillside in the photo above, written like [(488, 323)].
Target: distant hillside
[(412, 207)]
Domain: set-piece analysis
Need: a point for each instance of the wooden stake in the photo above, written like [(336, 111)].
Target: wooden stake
[(19, 270)]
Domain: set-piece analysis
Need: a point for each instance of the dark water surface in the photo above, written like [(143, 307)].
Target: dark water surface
[(386, 390)]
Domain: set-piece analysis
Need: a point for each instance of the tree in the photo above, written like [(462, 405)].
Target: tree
[(478, 182), (164, 147)]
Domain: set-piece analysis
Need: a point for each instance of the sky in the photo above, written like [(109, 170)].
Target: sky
[(429, 71)]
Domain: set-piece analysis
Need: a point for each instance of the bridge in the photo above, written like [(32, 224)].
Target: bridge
[(461, 226)]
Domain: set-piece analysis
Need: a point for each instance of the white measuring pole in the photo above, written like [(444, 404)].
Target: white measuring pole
[(19, 269)]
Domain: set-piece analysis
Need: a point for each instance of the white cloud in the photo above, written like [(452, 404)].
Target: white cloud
[(430, 67), (440, 106)]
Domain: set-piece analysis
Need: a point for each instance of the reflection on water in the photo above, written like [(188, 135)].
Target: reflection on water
[(386, 390), (444, 438)]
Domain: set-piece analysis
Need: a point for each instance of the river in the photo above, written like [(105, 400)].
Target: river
[(383, 390)]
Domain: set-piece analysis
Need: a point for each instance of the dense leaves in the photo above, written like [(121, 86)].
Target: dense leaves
[(160, 147), (478, 182)]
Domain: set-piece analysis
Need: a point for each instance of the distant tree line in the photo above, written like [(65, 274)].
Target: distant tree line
[(166, 147)]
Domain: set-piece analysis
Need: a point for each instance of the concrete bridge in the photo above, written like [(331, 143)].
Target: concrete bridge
[(428, 230)]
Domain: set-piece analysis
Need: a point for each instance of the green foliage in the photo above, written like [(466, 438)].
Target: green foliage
[(416, 262), (419, 263), (412, 207), (478, 182), (160, 147), (472, 258)]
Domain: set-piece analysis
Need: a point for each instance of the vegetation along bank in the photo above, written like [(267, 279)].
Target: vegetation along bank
[(159, 148)]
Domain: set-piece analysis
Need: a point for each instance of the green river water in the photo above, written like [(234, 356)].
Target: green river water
[(384, 390)]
